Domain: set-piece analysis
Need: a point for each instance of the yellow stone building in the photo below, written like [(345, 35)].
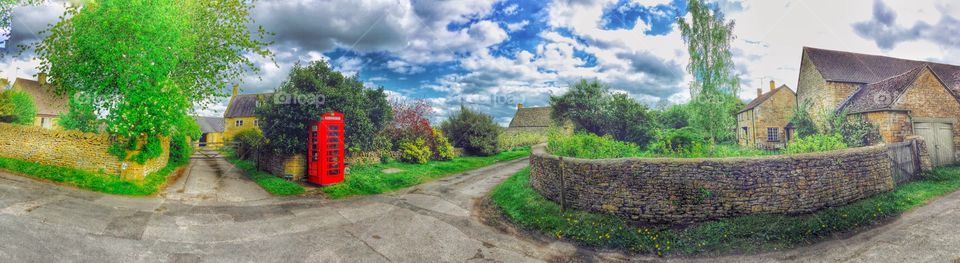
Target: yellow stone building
[(901, 97), (49, 105), (240, 113), (764, 122), (211, 132)]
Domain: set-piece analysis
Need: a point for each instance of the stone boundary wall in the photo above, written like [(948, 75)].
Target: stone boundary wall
[(73, 149), (674, 190)]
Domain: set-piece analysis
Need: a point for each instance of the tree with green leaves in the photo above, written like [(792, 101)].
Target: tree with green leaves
[(715, 86), (591, 107), (144, 65), (315, 89), (473, 131), (17, 107)]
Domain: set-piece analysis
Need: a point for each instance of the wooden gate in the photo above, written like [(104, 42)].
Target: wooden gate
[(204, 150), (904, 161)]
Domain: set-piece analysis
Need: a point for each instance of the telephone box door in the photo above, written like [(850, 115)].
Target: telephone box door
[(326, 150)]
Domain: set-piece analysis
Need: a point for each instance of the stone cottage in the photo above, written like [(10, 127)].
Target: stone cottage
[(530, 120), (49, 105), (211, 132), (764, 122), (240, 113), (901, 97)]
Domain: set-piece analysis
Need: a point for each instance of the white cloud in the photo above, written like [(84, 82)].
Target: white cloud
[(518, 25)]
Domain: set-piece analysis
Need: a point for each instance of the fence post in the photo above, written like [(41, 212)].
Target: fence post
[(563, 187), (915, 150)]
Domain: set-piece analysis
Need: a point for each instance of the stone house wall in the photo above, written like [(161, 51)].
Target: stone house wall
[(775, 112), (660, 190), (824, 96), (284, 165), (73, 149), (929, 99)]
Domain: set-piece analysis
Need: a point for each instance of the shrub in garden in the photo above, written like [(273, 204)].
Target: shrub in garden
[(442, 149), (17, 107), (686, 142), (248, 141), (803, 123), (854, 129), (415, 152), (591, 107), (590, 146), (473, 131), (674, 117), (511, 140), (410, 121), (817, 143)]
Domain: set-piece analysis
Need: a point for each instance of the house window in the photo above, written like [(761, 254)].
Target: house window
[(744, 130), (239, 123), (256, 123), (773, 134), (45, 123)]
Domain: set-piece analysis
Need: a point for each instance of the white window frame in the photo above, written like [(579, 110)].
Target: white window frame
[(773, 134), (238, 123)]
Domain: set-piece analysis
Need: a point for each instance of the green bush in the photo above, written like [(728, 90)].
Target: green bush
[(683, 141), (17, 107), (817, 143), (247, 142), (415, 152), (510, 140), (856, 131), (442, 149), (180, 149), (81, 115), (473, 131), (592, 107), (590, 146)]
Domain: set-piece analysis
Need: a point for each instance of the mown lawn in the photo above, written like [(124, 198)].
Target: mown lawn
[(746, 234), (91, 181), (272, 184), (370, 179)]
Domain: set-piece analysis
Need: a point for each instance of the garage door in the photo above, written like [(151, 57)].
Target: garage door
[(939, 140)]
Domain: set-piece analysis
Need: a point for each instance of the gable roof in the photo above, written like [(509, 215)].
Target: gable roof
[(243, 105), (532, 117), (842, 66), (883, 94), (209, 124), (763, 97), (48, 103)]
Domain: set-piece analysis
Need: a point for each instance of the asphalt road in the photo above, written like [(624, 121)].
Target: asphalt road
[(213, 215)]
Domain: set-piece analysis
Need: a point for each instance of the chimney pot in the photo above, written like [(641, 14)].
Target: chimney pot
[(759, 92), (773, 85), (236, 89), (519, 106)]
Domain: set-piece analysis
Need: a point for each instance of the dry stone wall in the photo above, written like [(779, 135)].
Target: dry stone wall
[(83, 151), (661, 190)]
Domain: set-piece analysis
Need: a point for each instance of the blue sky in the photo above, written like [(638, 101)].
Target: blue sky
[(492, 54)]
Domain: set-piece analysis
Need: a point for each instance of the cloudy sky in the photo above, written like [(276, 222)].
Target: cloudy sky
[(492, 54)]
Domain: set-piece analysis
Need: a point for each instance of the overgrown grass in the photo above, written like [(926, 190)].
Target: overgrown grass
[(591, 146), (273, 184), (370, 179), (746, 234), (91, 181)]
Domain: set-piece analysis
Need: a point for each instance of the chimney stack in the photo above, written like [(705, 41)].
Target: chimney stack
[(773, 85), (759, 92), (236, 88), (42, 78), (519, 106)]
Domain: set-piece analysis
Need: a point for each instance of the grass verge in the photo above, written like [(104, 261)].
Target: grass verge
[(746, 234), (370, 179), (274, 185), (91, 181)]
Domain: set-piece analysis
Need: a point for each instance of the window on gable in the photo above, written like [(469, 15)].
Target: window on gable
[(773, 134), (238, 123)]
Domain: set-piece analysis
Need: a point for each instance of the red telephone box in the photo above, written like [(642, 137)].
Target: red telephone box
[(326, 150)]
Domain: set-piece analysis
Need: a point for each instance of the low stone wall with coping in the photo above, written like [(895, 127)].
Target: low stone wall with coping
[(675, 190), (74, 149)]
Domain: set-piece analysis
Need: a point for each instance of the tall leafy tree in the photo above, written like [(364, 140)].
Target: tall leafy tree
[(145, 64), (315, 89), (715, 86), (591, 107)]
